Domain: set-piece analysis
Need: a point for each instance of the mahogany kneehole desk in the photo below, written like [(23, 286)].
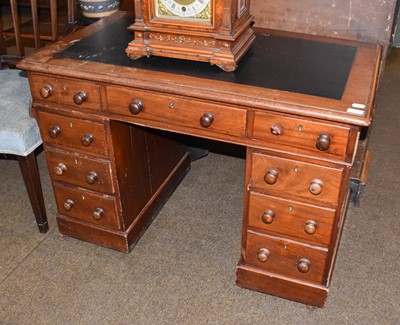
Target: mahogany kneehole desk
[(297, 103)]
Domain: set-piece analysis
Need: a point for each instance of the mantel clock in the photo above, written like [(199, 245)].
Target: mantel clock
[(215, 31)]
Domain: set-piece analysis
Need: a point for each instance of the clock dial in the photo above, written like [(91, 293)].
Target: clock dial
[(199, 9)]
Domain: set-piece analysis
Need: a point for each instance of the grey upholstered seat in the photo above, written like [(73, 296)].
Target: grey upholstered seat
[(19, 135)]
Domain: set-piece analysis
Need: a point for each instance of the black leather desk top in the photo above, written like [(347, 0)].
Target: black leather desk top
[(289, 64)]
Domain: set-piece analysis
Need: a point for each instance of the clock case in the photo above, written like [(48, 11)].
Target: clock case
[(223, 40)]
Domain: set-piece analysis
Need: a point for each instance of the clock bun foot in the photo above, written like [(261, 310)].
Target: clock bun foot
[(135, 56), (227, 67)]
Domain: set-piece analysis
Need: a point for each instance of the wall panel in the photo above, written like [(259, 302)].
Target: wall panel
[(366, 20)]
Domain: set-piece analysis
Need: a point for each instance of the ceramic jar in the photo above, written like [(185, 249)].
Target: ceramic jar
[(98, 8)]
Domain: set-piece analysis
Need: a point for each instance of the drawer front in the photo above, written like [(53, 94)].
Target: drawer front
[(177, 112), (301, 136), (295, 220), (94, 174), (88, 206), (64, 91), (72, 132), (282, 256), (296, 178)]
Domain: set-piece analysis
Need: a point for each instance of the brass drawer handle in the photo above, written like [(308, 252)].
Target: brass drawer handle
[(304, 265), (87, 139), (60, 169), (316, 186), (136, 106), (46, 91), (310, 227), (263, 255), (268, 216), (323, 142), (92, 177), (54, 131), (98, 213), (68, 204), (271, 176), (80, 98), (206, 120)]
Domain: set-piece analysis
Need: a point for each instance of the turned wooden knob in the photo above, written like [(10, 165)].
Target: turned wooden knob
[(268, 216), (87, 139), (98, 213), (271, 176), (277, 129), (304, 265), (54, 131), (60, 169), (310, 227), (323, 142), (316, 186), (46, 91), (136, 106), (68, 204), (263, 255), (80, 98), (206, 120), (92, 177)]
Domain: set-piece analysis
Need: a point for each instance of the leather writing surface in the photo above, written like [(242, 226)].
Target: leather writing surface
[(288, 64)]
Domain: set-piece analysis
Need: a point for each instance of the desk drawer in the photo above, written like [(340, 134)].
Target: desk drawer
[(308, 223), (65, 91), (286, 257), (72, 132), (177, 113), (296, 178), (88, 206), (301, 136), (94, 174)]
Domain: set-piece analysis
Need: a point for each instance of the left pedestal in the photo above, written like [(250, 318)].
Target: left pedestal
[(110, 178)]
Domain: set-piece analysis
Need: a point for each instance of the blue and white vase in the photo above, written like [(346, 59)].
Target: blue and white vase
[(98, 8)]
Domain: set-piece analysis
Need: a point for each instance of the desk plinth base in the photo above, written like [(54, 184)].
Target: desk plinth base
[(277, 285), (121, 240)]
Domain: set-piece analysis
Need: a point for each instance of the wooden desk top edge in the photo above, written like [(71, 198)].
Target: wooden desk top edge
[(360, 88)]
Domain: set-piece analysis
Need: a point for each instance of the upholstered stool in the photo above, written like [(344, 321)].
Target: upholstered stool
[(19, 135)]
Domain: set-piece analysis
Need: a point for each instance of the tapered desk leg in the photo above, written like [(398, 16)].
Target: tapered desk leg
[(30, 173)]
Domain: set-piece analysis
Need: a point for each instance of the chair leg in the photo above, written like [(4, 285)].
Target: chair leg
[(30, 173)]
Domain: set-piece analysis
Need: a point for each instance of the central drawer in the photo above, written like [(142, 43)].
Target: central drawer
[(176, 113)]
